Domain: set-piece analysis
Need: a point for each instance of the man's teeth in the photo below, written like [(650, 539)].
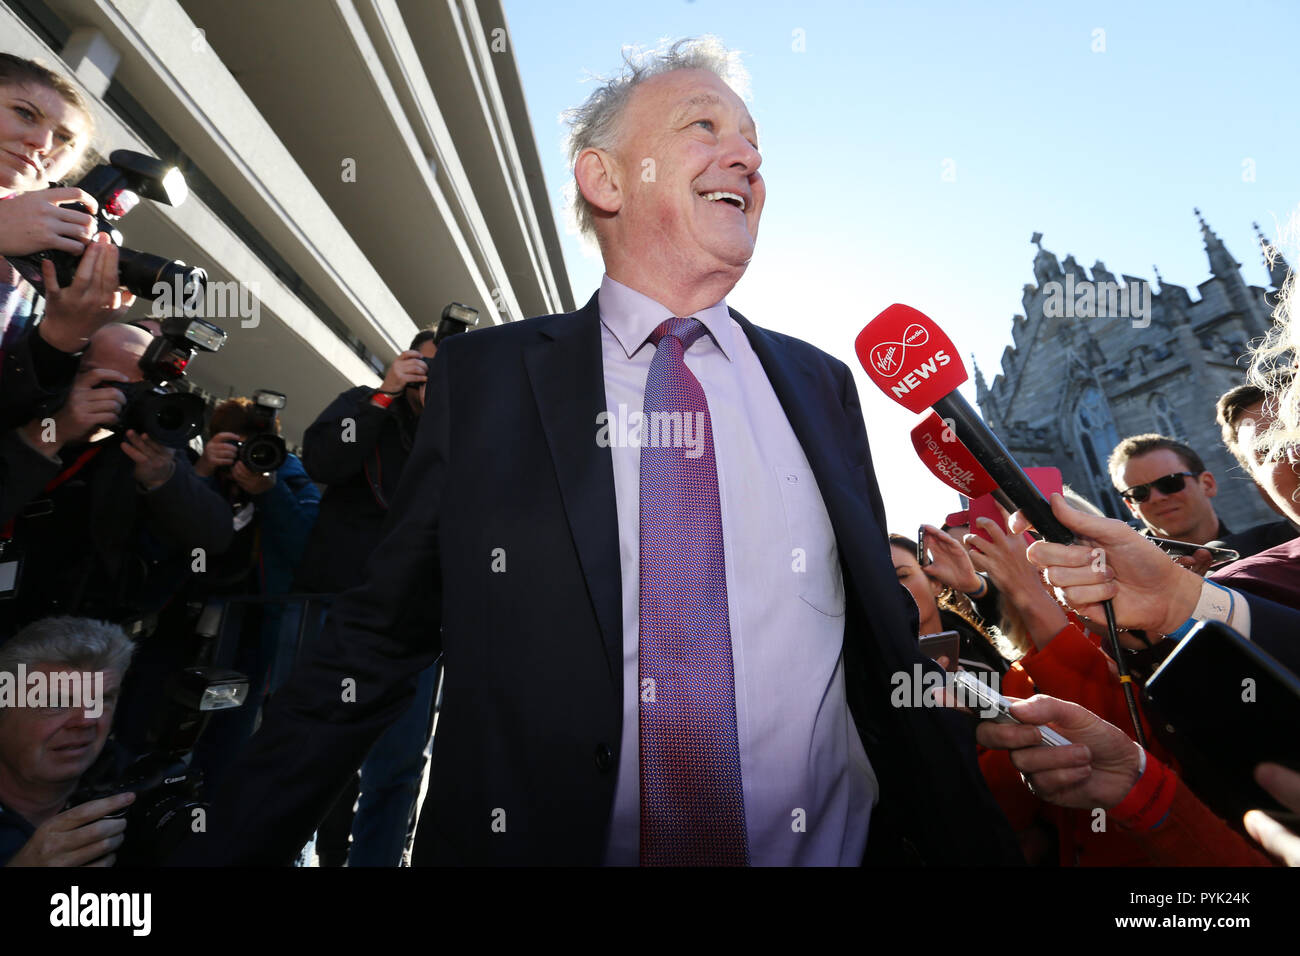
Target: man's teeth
[(738, 200)]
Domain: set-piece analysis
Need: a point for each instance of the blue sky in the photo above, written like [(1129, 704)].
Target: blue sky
[(1104, 152)]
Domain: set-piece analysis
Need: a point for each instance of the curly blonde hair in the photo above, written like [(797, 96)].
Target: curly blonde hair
[(1274, 361)]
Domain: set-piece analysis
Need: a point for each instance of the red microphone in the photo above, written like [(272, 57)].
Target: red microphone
[(952, 463), (912, 361)]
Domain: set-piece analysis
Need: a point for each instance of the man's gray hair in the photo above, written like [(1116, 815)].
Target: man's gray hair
[(77, 641), (595, 124)]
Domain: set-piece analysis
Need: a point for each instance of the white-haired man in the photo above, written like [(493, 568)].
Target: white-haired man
[(647, 537), (47, 744)]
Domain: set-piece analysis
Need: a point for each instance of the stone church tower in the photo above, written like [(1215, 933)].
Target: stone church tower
[(1096, 359)]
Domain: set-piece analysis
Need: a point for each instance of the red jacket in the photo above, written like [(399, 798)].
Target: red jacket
[(1073, 667)]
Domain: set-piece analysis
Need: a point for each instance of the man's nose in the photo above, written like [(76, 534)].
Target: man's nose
[(79, 723), (741, 152), (1155, 494)]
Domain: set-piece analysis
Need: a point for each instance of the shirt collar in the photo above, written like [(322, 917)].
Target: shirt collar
[(631, 316)]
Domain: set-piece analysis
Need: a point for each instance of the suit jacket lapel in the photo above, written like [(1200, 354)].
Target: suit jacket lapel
[(567, 373)]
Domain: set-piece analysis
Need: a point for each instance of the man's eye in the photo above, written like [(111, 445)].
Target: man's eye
[(708, 124), (24, 112)]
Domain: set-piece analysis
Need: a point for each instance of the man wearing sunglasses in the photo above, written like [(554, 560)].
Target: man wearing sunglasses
[(1164, 482)]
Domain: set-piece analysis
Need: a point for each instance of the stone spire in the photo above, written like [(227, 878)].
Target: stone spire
[(1221, 262), (1046, 267), (1276, 265)]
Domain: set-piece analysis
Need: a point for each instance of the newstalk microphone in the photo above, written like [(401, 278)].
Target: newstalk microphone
[(912, 361), (952, 463)]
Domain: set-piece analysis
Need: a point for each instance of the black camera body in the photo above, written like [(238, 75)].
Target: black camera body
[(155, 406), (168, 794), (117, 187), (168, 791), (170, 417), (265, 451)]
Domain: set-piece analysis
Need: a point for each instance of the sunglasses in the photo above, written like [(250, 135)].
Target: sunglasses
[(1168, 485)]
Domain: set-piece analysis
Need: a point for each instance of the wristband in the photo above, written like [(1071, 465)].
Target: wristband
[(981, 591), (382, 399), (1147, 804)]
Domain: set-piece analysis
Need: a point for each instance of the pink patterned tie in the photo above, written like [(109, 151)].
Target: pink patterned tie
[(692, 802)]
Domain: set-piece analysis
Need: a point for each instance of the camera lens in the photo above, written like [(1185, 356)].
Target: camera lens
[(169, 418), (263, 453), (263, 458)]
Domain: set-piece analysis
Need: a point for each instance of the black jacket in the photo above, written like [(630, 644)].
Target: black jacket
[(506, 462), (98, 546), (34, 380), (357, 450)]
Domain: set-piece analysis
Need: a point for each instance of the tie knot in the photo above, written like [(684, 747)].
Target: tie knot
[(685, 331)]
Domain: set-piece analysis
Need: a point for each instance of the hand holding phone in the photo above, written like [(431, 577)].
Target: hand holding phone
[(988, 704)]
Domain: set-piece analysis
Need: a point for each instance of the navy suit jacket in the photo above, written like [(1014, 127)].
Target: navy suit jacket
[(501, 552), (1275, 628)]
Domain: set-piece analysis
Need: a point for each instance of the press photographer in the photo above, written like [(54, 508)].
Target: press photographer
[(45, 751), (271, 505), (118, 521), (45, 131), (61, 242), (358, 448)]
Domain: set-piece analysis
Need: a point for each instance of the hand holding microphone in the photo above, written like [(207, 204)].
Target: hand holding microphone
[(912, 361), (1112, 562)]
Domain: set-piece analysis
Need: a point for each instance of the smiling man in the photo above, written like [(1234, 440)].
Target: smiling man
[(668, 650), (1165, 483)]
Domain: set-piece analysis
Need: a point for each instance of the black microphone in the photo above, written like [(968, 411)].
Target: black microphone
[(913, 362)]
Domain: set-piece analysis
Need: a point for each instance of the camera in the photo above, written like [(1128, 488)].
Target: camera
[(266, 451), (155, 406), (456, 318), (168, 791), (117, 187)]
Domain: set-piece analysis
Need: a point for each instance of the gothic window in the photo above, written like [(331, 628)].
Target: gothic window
[(1166, 419), (1097, 438)]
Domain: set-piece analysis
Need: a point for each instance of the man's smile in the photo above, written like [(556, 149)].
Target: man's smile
[(733, 198)]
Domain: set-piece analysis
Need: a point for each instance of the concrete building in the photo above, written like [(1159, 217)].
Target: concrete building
[(358, 164), (1095, 359)]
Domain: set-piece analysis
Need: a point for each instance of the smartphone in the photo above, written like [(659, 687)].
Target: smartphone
[(1185, 549), (944, 644), (921, 557), (1226, 705), (988, 704)]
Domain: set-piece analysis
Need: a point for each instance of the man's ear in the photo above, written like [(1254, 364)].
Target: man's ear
[(597, 175), (1208, 483)]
